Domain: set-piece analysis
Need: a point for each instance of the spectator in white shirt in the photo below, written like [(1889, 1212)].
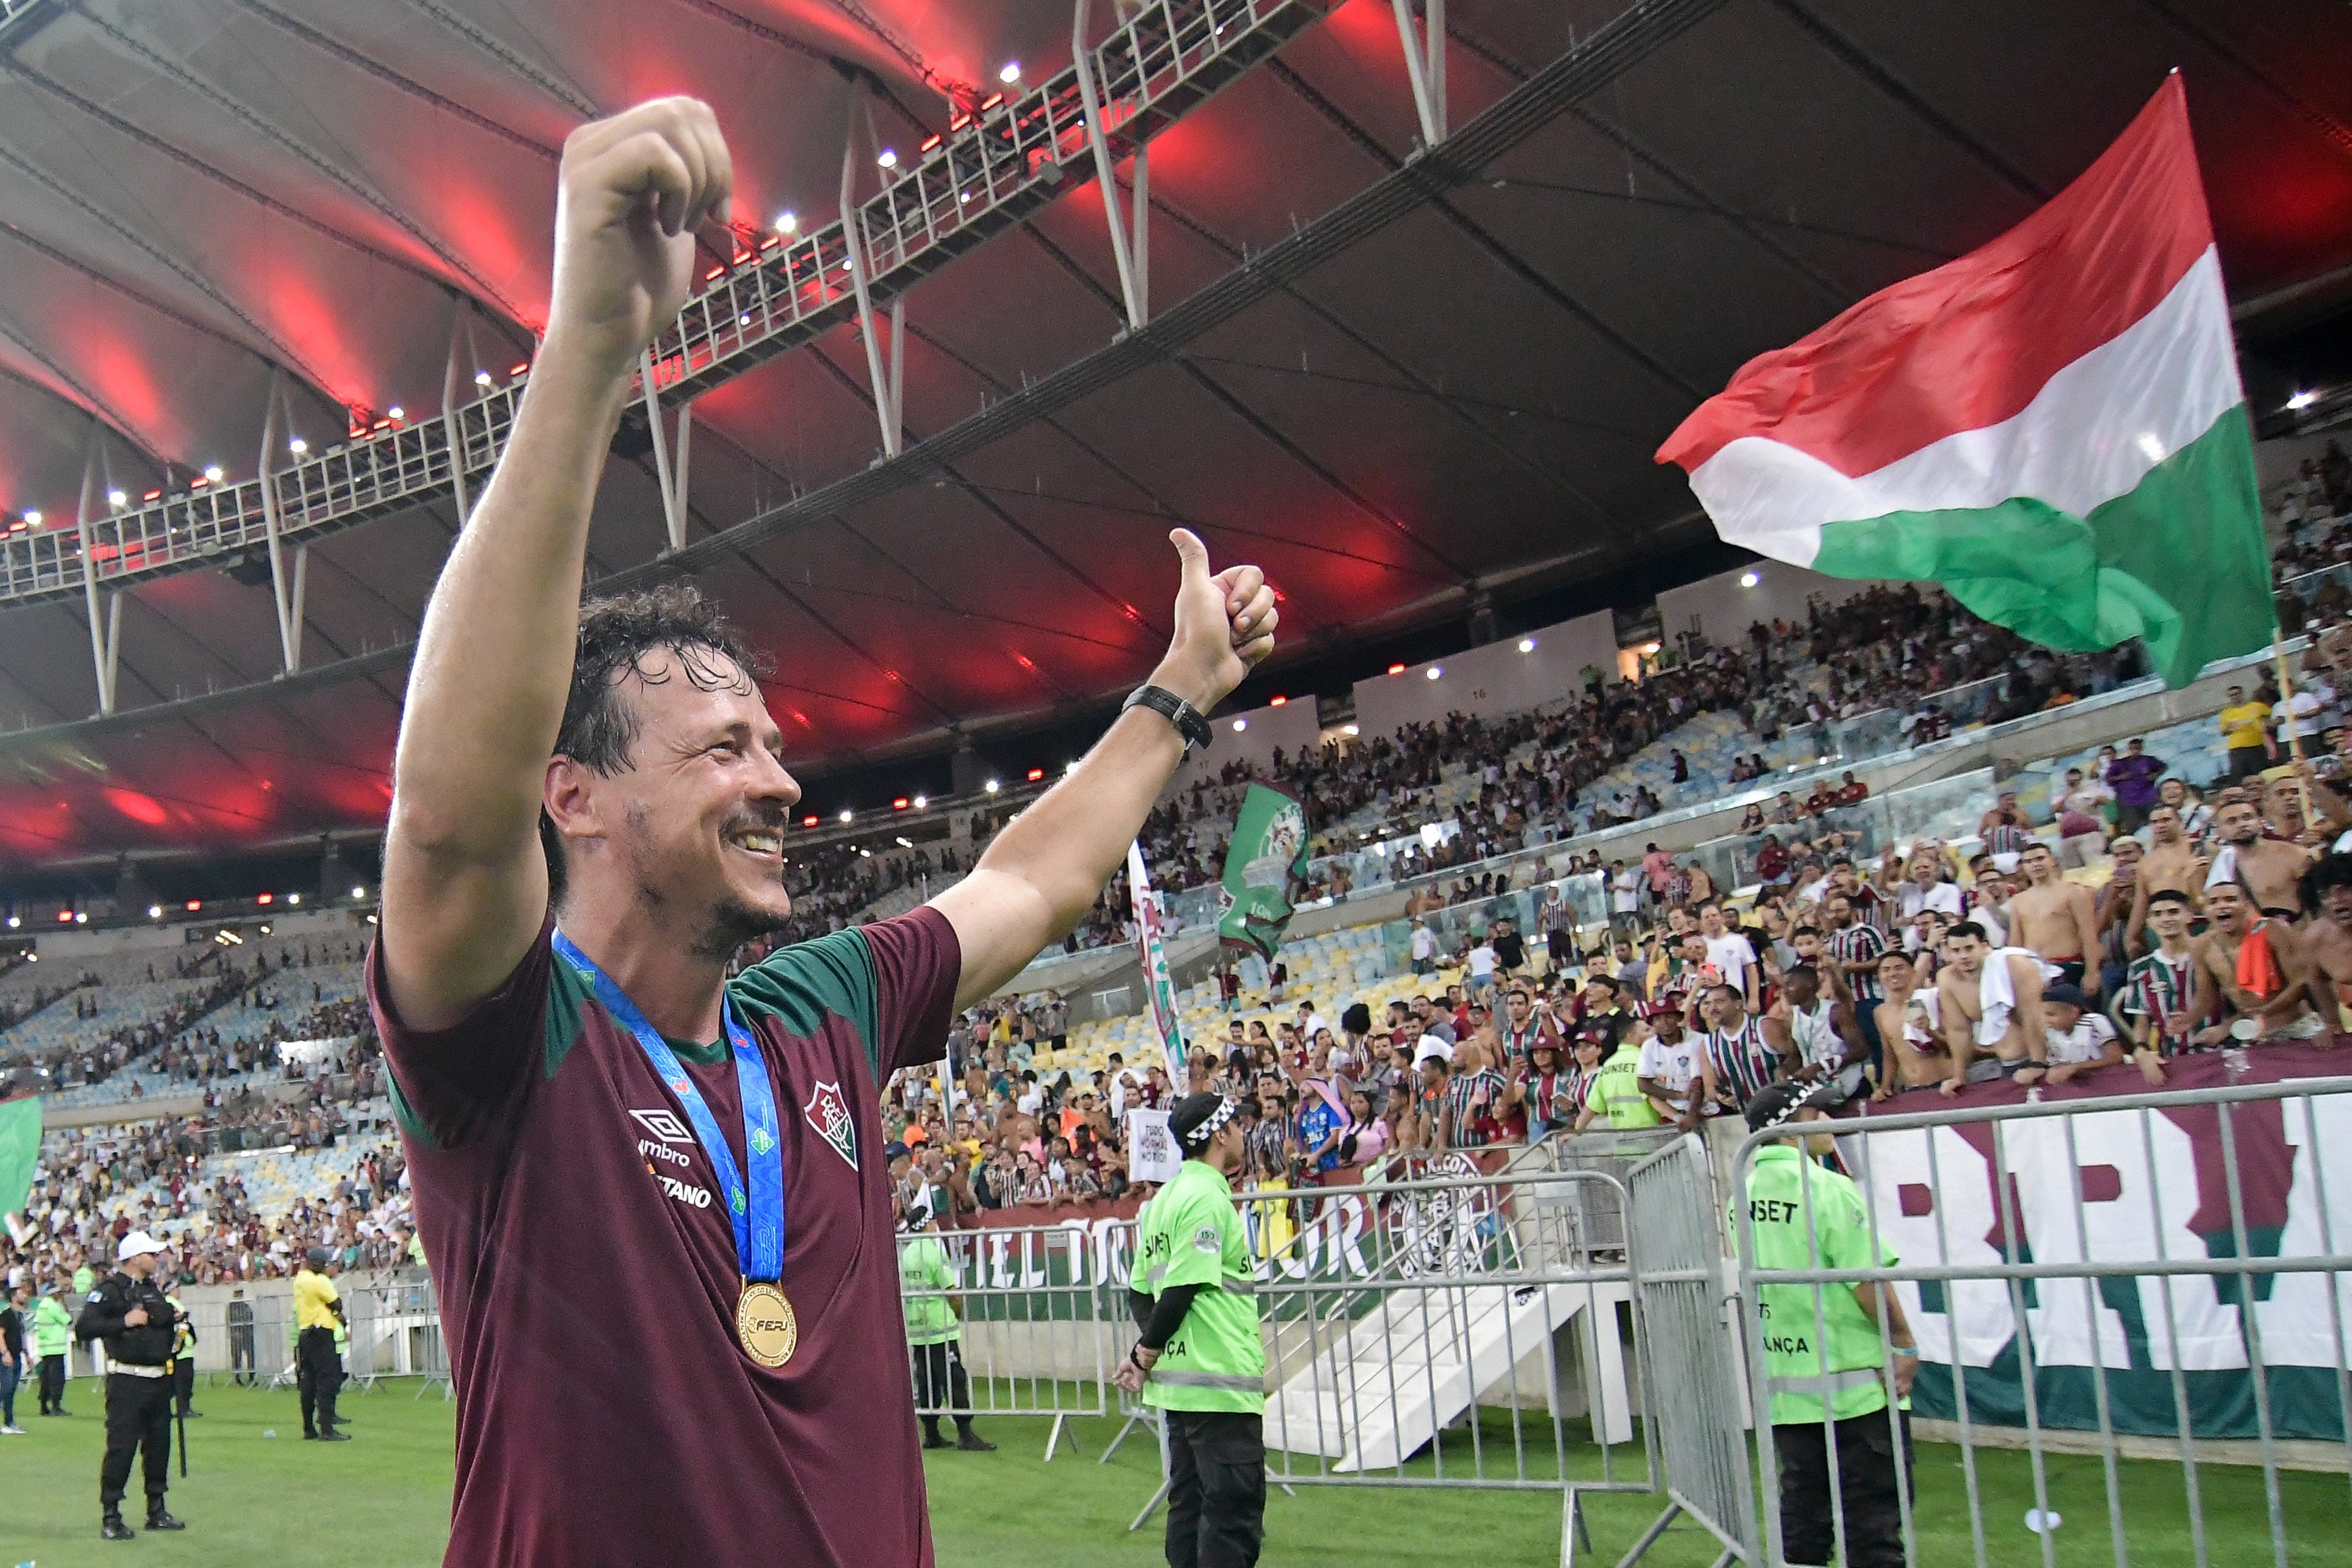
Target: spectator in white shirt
[(2079, 1038), (1733, 955)]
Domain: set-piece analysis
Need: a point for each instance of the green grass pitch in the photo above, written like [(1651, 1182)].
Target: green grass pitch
[(382, 1501)]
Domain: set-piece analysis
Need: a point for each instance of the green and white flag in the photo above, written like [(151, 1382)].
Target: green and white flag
[(1264, 865), (1159, 986), (2051, 427), (20, 1146)]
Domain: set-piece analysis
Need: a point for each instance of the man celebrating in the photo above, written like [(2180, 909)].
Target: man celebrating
[(1990, 1000), (1200, 1358), (128, 1311), (587, 822), (2056, 918)]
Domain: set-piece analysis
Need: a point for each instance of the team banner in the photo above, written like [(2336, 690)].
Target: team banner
[(1265, 866), (1159, 986), (2155, 1186)]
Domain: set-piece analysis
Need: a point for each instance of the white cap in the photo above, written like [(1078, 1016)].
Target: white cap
[(138, 1244)]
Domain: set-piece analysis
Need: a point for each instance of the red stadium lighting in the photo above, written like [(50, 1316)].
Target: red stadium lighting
[(809, 822), (519, 368), (1277, 702), (928, 143), (195, 904), (65, 915), (899, 804), (713, 273), (1396, 669), (263, 898), (1036, 774)]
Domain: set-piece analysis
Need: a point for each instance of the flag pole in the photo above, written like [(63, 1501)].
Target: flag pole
[(2286, 701)]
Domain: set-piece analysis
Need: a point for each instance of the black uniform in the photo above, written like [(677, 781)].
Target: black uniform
[(138, 1386)]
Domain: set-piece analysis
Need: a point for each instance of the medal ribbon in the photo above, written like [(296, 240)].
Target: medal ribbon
[(756, 1210)]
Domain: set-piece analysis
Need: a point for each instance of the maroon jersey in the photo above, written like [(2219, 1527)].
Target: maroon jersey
[(588, 1276)]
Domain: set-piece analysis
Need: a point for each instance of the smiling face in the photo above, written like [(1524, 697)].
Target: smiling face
[(690, 828)]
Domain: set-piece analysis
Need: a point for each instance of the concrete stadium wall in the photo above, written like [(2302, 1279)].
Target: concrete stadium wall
[(1724, 610), (1290, 729), (1491, 680)]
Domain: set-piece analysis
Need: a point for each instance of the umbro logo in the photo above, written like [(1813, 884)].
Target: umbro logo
[(662, 1124)]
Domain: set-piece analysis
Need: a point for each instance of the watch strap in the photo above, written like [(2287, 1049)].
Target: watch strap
[(1188, 720)]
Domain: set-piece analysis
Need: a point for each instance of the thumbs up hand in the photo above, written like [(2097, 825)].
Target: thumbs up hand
[(1224, 624)]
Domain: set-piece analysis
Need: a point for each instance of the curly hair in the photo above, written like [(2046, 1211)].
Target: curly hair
[(616, 634)]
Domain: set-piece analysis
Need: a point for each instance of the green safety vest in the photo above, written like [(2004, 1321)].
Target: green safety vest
[(85, 1281), (923, 1266), (52, 1327), (1191, 1234), (184, 1333), (1616, 1093), (1780, 1186)]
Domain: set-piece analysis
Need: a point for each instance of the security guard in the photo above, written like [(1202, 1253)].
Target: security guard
[(933, 1329), (1614, 1096), (1200, 1359), (183, 1358), (318, 1370), (52, 1336), (1824, 1340), (129, 1311)]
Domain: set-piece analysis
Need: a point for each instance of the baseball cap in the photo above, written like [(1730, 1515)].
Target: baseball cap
[(316, 1256), (137, 1244), (1776, 1103), (2070, 996)]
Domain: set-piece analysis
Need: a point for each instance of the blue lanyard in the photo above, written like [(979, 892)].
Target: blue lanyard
[(757, 1211)]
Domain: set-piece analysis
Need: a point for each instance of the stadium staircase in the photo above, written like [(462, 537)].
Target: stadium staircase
[(1380, 1372)]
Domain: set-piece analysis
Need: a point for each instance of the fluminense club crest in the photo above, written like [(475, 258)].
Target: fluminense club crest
[(828, 1112)]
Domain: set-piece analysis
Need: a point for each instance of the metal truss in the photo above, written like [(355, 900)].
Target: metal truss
[(1592, 64), (994, 167)]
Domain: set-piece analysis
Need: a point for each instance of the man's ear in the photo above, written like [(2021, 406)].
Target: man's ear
[(568, 795)]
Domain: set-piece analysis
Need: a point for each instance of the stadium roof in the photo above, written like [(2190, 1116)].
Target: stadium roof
[(1403, 382)]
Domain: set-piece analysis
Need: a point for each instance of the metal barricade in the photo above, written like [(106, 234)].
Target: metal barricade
[(1688, 1357), (1457, 1330), (2135, 1280), (1035, 1309)]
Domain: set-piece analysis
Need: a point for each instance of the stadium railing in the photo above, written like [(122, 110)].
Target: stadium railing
[(1037, 1308), (2130, 1278)]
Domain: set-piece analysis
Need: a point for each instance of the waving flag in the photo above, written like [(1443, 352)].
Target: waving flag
[(20, 1149), (1158, 986), (2051, 427)]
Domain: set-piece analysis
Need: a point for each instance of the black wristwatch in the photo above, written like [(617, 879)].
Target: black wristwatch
[(1188, 719)]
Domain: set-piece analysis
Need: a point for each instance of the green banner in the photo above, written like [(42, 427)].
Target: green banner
[(1265, 866), (20, 1145)]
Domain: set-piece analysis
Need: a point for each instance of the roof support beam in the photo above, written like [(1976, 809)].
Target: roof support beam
[(105, 637), (1133, 257), (888, 388), (669, 468), (285, 596), (1425, 64)]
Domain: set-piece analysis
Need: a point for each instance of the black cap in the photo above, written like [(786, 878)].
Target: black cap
[(316, 1256), (1196, 1117), (1776, 1103), (2070, 996)]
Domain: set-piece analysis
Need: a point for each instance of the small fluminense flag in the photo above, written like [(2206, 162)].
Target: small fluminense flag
[(2051, 427)]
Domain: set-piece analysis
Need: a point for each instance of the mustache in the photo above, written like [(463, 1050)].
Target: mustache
[(773, 821)]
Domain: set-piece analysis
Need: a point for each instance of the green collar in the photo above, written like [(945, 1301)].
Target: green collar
[(710, 1055)]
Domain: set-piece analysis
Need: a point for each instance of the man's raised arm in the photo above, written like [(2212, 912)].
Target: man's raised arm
[(1044, 870), (465, 886)]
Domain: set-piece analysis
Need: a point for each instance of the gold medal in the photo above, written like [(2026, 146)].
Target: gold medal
[(764, 1322)]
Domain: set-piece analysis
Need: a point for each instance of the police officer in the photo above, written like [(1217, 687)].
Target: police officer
[(1825, 1342), (183, 1358), (1200, 1359), (933, 1329), (128, 1311)]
